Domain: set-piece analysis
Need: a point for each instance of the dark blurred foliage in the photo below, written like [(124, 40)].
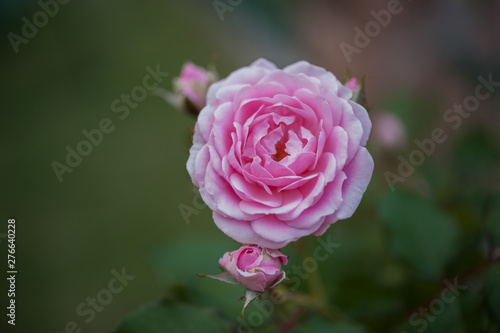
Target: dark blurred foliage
[(121, 206)]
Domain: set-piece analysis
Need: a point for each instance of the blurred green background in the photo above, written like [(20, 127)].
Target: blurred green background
[(120, 207)]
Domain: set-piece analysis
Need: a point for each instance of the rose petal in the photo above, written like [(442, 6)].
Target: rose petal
[(359, 172), (291, 199), (264, 63), (362, 116), (254, 193), (220, 197), (278, 231), (242, 232)]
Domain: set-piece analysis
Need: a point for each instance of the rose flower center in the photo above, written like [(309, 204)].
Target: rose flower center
[(280, 151)]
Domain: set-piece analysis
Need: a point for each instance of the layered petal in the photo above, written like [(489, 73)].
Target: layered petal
[(279, 154)]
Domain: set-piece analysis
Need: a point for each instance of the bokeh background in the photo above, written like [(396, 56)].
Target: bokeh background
[(120, 207)]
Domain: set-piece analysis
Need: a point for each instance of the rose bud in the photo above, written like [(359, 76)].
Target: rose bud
[(389, 131), (191, 87), (353, 84), (254, 267), (357, 88)]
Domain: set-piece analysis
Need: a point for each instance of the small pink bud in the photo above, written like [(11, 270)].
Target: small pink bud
[(254, 267), (388, 130), (191, 87), (356, 86), (353, 84)]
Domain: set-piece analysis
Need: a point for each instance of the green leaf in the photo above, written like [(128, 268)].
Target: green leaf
[(450, 320), (441, 317), (474, 308), (224, 277), (419, 232), (493, 218), (318, 325), (174, 317), (493, 290), (475, 161)]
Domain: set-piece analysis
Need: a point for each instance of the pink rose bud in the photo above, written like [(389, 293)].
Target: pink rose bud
[(356, 86), (389, 131), (191, 87), (254, 267), (353, 84)]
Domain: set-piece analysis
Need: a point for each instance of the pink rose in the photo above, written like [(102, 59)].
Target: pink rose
[(253, 267), (191, 87), (279, 154)]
